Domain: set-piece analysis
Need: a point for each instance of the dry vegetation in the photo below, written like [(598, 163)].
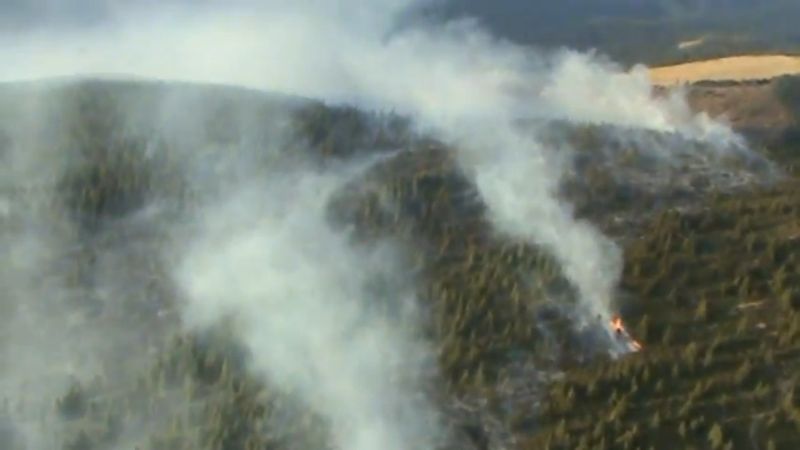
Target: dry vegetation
[(746, 106), (733, 68), (711, 289)]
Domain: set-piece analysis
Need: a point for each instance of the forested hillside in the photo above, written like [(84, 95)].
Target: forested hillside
[(708, 287)]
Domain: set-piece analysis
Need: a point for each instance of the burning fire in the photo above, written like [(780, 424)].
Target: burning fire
[(622, 334)]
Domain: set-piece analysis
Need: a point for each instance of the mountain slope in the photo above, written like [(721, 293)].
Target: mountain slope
[(104, 172)]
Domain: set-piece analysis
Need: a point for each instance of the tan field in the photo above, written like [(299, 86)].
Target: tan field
[(732, 68)]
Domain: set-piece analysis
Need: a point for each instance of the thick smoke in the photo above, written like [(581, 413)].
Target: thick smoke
[(56, 285), (456, 79), (265, 258), (297, 292), (334, 323)]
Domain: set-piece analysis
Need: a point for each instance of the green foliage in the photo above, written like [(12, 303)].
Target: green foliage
[(711, 360), (73, 405), (720, 346), (715, 437)]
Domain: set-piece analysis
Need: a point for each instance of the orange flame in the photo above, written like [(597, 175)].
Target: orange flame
[(616, 324), (621, 332)]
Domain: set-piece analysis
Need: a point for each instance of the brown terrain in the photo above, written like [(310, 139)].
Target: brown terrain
[(739, 90), (752, 107), (734, 68)]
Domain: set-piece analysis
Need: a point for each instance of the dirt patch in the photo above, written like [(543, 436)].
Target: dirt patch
[(737, 68)]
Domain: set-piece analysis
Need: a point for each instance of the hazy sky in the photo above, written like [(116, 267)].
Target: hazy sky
[(24, 14)]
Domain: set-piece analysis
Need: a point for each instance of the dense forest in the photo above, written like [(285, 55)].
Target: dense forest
[(102, 182), (721, 332)]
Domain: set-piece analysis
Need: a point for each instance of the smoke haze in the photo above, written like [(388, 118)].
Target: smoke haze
[(263, 255), (296, 292)]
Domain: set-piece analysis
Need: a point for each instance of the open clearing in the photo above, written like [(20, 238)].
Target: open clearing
[(737, 68)]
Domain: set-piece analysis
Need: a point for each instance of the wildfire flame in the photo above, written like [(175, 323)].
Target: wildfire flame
[(622, 334)]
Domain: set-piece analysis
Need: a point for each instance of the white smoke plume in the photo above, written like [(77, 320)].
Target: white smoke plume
[(52, 293), (457, 79), (280, 268), (297, 293)]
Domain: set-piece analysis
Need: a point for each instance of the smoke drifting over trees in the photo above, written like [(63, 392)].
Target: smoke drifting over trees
[(169, 209)]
